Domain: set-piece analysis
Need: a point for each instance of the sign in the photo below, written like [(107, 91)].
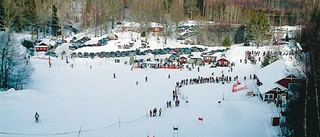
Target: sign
[(175, 128)]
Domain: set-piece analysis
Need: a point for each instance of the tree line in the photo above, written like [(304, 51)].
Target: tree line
[(98, 15)]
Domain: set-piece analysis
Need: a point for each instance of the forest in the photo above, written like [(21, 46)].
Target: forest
[(31, 15)]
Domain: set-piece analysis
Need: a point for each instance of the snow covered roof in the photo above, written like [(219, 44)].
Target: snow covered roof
[(267, 86), (287, 28), (131, 24), (189, 23), (155, 25), (136, 24), (279, 70), (48, 41)]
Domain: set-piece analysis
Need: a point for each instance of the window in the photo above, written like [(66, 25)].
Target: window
[(268, 96)]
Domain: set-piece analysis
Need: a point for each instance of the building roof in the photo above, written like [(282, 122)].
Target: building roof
[(222, 59), (267, 86), (42, 45), (272, 73)]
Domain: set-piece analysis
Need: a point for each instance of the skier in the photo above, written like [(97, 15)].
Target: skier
[(137, 82), (150, 112), (160, 110), (36, 116), (169, 76), (114, 75), (146, 78), (155, 112), (49, 63)]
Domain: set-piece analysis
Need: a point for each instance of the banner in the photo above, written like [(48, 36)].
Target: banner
[(235, 89)]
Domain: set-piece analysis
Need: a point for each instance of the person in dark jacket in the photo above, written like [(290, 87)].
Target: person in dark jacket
[(160, 111), (36, 116)]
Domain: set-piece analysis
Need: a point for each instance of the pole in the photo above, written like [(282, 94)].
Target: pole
[(223, 96), (177, 133), (119, 122), (172, 133), (79, 131)]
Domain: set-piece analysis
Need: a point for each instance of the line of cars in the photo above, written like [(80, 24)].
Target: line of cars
[(76, 44), (138, 52)]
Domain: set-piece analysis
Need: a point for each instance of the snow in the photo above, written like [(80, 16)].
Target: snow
[(88, 99)]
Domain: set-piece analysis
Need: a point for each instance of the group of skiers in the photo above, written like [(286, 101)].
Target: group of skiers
[(153, 112)]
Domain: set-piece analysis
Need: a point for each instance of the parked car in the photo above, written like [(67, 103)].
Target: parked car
[(101, 54), (118, 54), (92, 55), (51, 53), (112, 54), (80, 55), (86, 55), (73, 47), (73, 54), (107, 54)]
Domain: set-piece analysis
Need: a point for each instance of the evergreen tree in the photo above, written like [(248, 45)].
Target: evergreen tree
[(226, 42), (239, 37), (266, 61), (30, 14), (258, 27), (54, 21)]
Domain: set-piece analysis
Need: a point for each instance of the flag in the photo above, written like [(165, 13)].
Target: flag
[(234, 89), (175, 128)]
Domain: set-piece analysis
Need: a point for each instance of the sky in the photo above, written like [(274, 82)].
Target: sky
[(87, 101)]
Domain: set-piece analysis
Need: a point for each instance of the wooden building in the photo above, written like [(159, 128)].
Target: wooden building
[(223, 62), (42, 47)]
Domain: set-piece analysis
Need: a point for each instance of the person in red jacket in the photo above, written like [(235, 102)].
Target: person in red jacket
[(150, 112)]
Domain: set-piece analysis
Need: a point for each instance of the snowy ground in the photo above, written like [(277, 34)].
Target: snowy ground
[(91, 100)]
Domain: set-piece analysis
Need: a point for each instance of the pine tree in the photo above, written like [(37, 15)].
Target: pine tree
[(258, 27), (226, 42), (239, 36), (266, 61), (30, 16)]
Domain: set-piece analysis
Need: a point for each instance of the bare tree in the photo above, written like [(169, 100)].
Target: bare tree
[(114, 10), (43, 8), (15, 67), (191, 8), (144, 11), (63, 14), (176, 14)]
